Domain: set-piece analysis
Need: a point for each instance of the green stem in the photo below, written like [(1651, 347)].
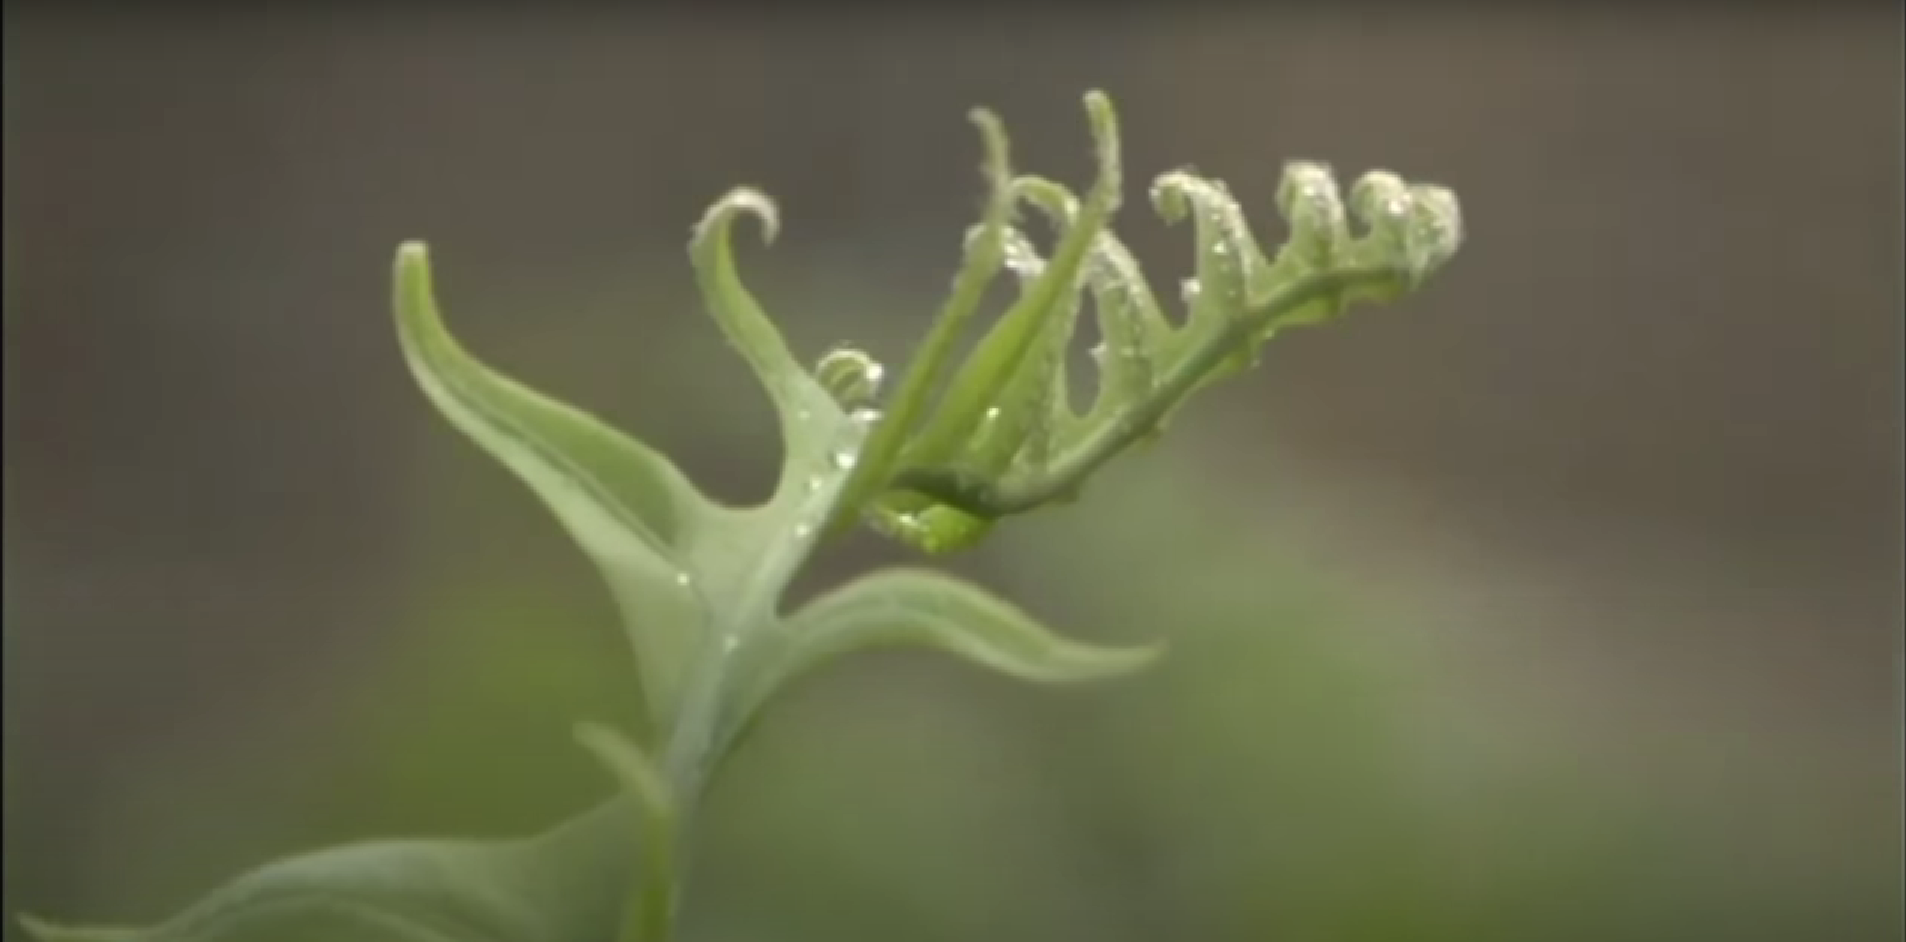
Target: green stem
[(699, 736), (685, 768)]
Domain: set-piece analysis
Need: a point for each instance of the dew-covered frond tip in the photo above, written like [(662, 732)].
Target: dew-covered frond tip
[(1001, 436)]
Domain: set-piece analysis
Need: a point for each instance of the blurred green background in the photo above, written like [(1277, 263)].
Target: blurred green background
[(1559, 602)]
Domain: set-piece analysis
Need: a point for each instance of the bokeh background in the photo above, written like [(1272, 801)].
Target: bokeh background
[(1561, 601)]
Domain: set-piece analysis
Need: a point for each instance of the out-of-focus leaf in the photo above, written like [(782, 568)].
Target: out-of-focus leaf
[(568, 885), (651, 912), (43, 931)]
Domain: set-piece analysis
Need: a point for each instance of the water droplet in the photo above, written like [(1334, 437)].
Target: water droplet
[(803, 415), (1396, 206), (842, 460), (992, 414), (683, 579), (813, 484), (1189, 290), (850, 376), (802, 531), (865, 416)]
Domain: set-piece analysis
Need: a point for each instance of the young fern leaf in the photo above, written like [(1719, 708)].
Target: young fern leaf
[(1029, 407), (1308, 199), (982, 420), (983, 253), (1133, 331), (1413, 228), (1015, 422), (1134, 335), (1231, 270), (1237, 300), (1018, 424), (1000, 355), (1047, 394)]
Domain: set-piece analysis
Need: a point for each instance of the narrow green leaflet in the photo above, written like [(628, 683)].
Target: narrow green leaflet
[(1035, 409), (630, 508), (41, 931), (1000, 354), (1022, 421), (809, 416), (909, 606), (569, 885), (1133, 330), (983, 253)]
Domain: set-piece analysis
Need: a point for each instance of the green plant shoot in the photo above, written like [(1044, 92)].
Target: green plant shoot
[(938, 462)]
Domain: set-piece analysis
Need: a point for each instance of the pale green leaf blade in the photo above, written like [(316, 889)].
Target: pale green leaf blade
[(629, 507), (40, 930), (910, 606), (566, 886), (808, 415)]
